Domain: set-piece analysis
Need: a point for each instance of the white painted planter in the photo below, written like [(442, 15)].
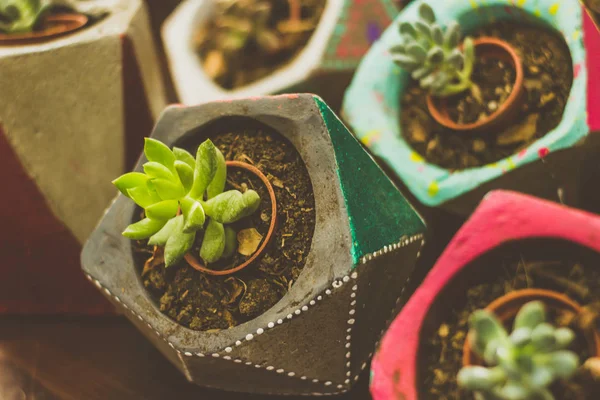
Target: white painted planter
[(194, 86), (69, 107)]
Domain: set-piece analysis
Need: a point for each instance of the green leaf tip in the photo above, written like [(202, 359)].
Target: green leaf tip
[(433, 55)]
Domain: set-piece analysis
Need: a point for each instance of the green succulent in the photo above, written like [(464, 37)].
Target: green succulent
[(433, 56), (18, 16), (173, 180), (522, 365)]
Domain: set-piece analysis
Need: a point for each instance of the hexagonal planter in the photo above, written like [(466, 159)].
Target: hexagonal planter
[(506, 226), (549, 168), (89, 106), (361, 256), (325, 66)]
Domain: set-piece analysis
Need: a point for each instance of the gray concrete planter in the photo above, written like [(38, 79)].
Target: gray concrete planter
[(325, 66), (73, 107), (321, 334)]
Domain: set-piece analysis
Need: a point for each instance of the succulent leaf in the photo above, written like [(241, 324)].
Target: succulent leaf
[(156, 170), (452, 35), (435, 55), (130, 180), (159, 152), (217, 185), (232, 206), (193, 213), (143, 196), (437, 34), (426, 12), (213, 243), (231, 242), (167, 190), (160, 238), (143, 229), (166, 209), (185, 156), (206, 167), (530, 315), (178, 243), (186, 174), (416, 52), (407, 29)]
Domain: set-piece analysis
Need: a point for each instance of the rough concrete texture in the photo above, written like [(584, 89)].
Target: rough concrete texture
[(73, 112), (320, 335), (62, 110)]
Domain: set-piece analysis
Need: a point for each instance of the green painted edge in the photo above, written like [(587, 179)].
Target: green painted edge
[(378, 213)]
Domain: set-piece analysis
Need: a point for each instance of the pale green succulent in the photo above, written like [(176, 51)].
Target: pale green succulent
[(174, 180), (522, 365), (433, 56), (18, 16)]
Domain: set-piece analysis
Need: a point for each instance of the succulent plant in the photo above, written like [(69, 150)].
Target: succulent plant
[(18, 16), (174, 181), (523, 364), (433, 54)]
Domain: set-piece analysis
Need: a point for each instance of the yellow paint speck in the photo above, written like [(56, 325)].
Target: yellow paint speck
[(576, 34), (511, 164), (416, 157), (473, 3), (433, 189), (554, 8), (370, 137), (537, 12), (521, 2)]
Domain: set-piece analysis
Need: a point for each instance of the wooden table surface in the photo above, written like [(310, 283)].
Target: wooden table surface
[(85, 358)]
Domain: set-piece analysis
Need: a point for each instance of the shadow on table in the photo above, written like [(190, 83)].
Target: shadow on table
[(98, 359)]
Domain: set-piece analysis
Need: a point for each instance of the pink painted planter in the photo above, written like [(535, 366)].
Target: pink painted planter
[(502, 217)]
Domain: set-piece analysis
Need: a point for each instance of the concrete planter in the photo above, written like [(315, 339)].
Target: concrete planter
[(549, 168), (325, 66), (73, 113), (320, 335), (504, 223)]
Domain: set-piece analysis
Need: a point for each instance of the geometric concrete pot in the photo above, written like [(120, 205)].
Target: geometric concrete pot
[(325, 66), (73, 109), (504, 223), (548, 168), (321, 334)]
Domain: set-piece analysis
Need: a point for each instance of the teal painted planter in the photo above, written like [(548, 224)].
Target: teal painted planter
[(371, 109), (366, 242)]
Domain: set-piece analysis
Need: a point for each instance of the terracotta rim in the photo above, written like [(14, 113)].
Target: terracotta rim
[(53, 26), (507, 307), (487, 47), (196, 264)]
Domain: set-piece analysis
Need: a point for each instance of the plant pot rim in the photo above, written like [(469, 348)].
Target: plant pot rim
[(507, 306), (196, 264), (63, 24), (370, 104), (502, 217), (195, 87), (438, 107)]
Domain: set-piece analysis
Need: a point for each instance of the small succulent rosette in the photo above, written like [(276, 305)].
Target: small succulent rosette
[(371, 104)]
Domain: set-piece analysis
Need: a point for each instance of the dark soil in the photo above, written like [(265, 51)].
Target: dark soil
[(442, 353), (232, 65), (495, 79), (205, 302), (548, 78)]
